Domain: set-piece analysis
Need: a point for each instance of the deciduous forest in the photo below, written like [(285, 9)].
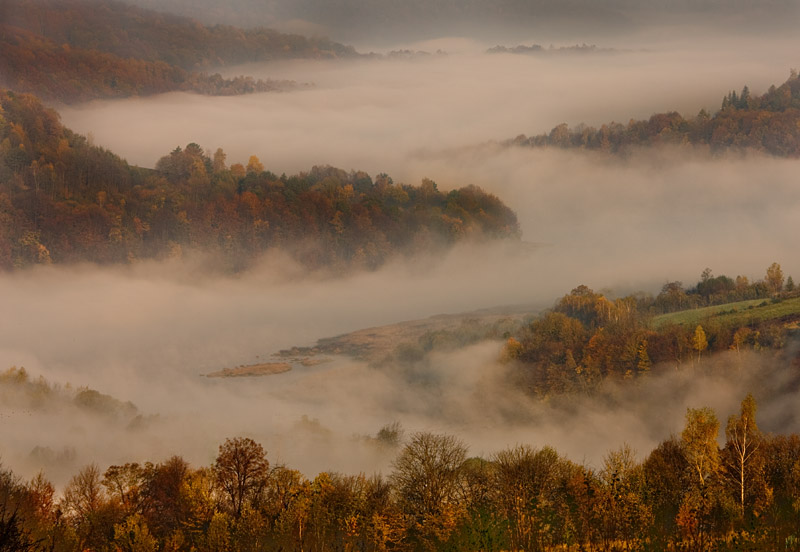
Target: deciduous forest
[(66, 200), (766, 122), (687, 493), (587, 337)]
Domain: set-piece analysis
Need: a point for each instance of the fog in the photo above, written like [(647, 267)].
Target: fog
[(376, 115), (146, 333)]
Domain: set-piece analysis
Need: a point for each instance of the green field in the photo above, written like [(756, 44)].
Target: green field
[(739, 314)]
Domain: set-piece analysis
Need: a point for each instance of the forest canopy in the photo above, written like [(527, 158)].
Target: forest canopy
[(769, 123), (63, 199), (587, 338), (687, 493)]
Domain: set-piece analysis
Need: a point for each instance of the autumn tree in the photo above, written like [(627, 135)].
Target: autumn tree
[(527, 482), (643, 363), (241, 471), (218, 163), (426, 478), (743, 464), (14, 535), (88, 509), (133, 535), (699, 442), (774, 278), (699, 341), (165, 505), (625, 514), (666, 473), (672, 297), (781, 454), (124, 484), (254, 165)]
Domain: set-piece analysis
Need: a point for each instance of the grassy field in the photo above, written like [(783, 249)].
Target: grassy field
[(739, 314)]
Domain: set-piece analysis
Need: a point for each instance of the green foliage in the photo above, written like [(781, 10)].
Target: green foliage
[(742, 313), (694, 316)]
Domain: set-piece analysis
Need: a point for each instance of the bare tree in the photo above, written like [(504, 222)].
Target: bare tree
[(743, 444), (86, 503), (427, 479), (241, 471)]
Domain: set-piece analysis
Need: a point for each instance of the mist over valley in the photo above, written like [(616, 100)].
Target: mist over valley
[(364, 257)]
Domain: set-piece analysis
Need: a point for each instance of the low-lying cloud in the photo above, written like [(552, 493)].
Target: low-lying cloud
[(146, 333)]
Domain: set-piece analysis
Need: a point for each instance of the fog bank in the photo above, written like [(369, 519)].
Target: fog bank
[(145, 333), (374, 114), (148, 333)]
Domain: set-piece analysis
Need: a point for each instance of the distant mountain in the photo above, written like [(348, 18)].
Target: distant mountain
[(135, 33), (74, 50)]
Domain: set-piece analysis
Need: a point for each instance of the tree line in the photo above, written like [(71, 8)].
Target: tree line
[(587, 338), (62, 199), (686, 494), (769, 123), (31, 63)]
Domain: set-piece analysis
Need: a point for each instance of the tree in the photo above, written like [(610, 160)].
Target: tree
[(241, 470), (743, 444), (218, 164), (124, 484), (672, 297), (774, 278), (527, 483), (699, 341), (165, 505), (86, 504), (133, 536), (644, 363), (625, 514), (560, 136), (699, 441), (666, 472), (14, 535), (426, 477), (254, 165)]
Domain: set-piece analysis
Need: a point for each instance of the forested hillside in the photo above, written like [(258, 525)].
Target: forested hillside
[(769, 123), (586, 338), (63, 199), (76, 50), (130, 32)]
